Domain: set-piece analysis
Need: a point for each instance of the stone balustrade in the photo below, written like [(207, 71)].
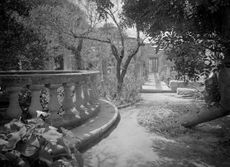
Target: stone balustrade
[(79, 88)]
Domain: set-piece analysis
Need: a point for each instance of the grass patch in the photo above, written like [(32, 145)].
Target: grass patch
[(164, 119)]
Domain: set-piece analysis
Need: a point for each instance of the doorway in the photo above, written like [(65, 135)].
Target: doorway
[(153, 65)]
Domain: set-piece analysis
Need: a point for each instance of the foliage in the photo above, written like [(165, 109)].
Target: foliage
[(117, 45), (59, 22), (34, 31), (202, 19), (35, 143), (20, 46), (187, 29), (198, 16), (63, 29), (107, 86), (188, 61), (131, 87), (102, 5), (167, 75), (100, 57)]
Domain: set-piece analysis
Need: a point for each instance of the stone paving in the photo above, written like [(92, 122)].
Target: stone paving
[(154, 85)]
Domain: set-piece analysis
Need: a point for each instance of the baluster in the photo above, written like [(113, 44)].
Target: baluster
[(14, 109), (86, 93), (69, 98), (83, 93), (78, 101), (79, 95), (90, 91), (35, 101), (90, 94), (53, 105), (93, 89)]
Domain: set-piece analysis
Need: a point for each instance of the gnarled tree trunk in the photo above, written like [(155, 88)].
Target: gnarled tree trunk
[(223, 109), (213, 112)]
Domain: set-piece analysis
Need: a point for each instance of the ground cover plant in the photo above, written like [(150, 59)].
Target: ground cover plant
[(36, 143)]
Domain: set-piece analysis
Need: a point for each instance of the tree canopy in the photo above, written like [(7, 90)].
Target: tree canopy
[(16, 41), (33, 31), (207, 20)]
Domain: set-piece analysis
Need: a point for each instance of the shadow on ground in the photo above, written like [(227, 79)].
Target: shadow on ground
[(203, 146), (149, 135)]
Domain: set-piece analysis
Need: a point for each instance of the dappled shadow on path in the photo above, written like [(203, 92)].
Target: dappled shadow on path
[(206, 145)]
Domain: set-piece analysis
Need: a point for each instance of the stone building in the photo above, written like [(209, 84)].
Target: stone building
[(157, 62)]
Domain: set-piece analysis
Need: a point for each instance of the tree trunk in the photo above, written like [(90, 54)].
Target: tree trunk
[(223, 108), (206, 114), (77, 55), (119, 87), (214, 112), (119, 79), (104, 75)]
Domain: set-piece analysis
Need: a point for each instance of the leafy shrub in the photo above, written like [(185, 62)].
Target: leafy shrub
[(107, 87), (187, 59), (35, 143), (167, 76), (130, 91), (131, 88)]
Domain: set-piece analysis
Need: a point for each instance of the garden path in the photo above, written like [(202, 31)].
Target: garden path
[(128, 145), (154, 144), (154, 84)]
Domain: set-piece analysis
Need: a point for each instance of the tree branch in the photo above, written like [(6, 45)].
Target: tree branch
[(114, 51), (128, 60), (90, 38), (111, 14)]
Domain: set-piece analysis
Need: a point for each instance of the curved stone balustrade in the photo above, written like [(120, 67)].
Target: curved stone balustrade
[(80, 96)]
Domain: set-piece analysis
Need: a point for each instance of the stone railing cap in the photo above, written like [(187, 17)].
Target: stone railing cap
[(20, 78)]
